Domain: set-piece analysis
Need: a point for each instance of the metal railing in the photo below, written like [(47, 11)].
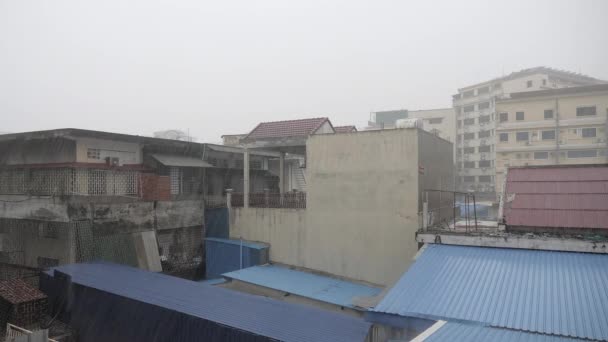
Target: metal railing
[(13, 332), (293, 200), (441, 210)]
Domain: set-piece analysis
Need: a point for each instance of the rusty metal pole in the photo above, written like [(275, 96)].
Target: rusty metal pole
[(475, 210)]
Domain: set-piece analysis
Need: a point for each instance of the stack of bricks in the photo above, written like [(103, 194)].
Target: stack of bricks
[(21, 304), (155, 187)]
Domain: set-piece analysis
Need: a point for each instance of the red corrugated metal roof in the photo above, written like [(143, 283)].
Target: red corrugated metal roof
[(558, 197), (289, 128), (345, 129)]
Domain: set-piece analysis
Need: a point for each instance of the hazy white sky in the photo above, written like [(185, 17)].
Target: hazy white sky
[(219, 67)]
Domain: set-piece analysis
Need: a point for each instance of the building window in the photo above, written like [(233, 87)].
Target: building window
[(504, 117), (589, 132), (434, 121), (582, 154), (484, 119), (468, 179), (548, 135), (548, 113), (483, 105), (485, 179), (485, 148), (544, 82), (256, 164), (468, 122), (468, 109), (504, 137), (485, 163), (93, 153), (522, 136), (541, 155), (469, 93), (469, 165), (529, 84), (484, 134), (519, 116), (469, 136), (483, 90), (585, 111), (469, 150)]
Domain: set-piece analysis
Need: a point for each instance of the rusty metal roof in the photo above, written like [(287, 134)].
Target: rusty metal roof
[(17, 291), (285, 129), (558, 197)]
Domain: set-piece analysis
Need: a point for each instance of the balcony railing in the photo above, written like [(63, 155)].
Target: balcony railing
[(68, 181), (294, 200)]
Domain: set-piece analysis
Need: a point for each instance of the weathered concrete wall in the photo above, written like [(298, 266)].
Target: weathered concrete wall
[(35, 208), (126, 152), (56, 150), (283, 229), (362, 203), (362, 208)]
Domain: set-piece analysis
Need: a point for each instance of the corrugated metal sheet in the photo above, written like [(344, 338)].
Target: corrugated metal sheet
[(148, 306), (284, 129), (305, 284), (183, 161), (557, 293), (557, 197), (455, 332), (225, 255)]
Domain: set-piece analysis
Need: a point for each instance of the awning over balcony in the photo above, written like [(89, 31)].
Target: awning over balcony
[(182, 161)]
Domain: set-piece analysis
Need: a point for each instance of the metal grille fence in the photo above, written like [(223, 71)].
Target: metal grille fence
[(293, 200), (69, 181)]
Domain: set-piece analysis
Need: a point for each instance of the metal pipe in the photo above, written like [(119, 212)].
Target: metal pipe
[(454, 209), (475, 210), (241, 255)]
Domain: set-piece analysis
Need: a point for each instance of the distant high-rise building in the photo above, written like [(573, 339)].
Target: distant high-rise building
[(476, 118), (551, 127)]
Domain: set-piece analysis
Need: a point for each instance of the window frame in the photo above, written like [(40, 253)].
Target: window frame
[(570, 157), (545, 114), (545, 153), (518, 133), (501, 135), (589, 128), (582, 107), (523, 116), (542, 134), (506, 117)]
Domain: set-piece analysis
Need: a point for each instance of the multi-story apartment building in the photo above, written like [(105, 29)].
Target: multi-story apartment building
[(550, 127), (475, 108), (439, 121)]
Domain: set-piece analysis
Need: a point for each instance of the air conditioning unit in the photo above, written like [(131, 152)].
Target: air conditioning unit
[(112, 161)]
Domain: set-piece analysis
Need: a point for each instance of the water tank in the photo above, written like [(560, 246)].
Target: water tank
[(409, 123)]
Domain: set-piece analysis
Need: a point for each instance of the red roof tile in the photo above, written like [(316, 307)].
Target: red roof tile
[(284, 129), (558, 197), (345, 129), (17, 291)]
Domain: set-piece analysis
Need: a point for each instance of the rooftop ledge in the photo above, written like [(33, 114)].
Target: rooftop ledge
[(503, 239)]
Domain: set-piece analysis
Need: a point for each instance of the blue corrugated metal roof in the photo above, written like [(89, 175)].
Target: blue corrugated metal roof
[(259, 315), (305, 284), (559, 293), (256, 245), (455, 332)]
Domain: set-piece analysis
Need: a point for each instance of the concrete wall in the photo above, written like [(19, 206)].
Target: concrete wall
[(447, 126), (56, 150), (126, 152), (362, 205)]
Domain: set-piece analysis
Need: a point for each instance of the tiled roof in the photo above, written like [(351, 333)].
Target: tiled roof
[(305, 284), (285, 129), (345, 129), (17, 291), (557, 197), (554, 293)]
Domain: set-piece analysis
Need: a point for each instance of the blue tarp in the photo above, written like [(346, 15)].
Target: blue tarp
[(216, 223), (226, 255), (109, 302)]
